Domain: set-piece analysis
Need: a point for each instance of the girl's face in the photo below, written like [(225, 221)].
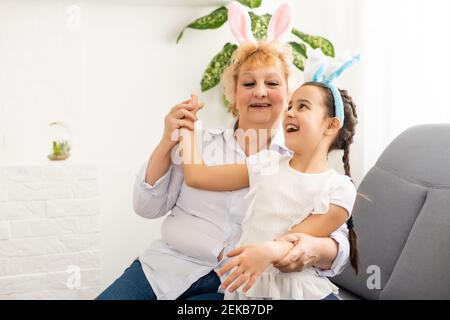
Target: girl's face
[(261, 96), (305, 122)]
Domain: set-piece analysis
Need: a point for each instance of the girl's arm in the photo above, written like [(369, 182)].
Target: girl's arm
[(214, 178), (322, 225), (313, 243), (250, 261)]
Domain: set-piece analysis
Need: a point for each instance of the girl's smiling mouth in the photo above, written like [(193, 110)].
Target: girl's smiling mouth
[(291, 127)]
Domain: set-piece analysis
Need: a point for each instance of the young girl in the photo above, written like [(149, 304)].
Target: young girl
[(298, 193)]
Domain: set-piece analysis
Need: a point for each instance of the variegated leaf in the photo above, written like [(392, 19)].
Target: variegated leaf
[(219, 62), (213, 20), (316, 42), (260, 25), (299, 53), (251, 3)]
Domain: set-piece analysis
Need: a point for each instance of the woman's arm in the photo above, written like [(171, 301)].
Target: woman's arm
[(154, 201), (156, 189), (309, 251), (159, 162), (214, 178), (181, 115)]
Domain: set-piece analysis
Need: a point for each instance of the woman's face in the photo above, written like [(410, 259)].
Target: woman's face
[(261, 96), (304, 122)]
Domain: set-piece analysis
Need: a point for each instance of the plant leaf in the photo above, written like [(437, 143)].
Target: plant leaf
[(260, 25), (55, 148), (219, 62), (65, 147), (213, 20), (316, 42), (251, 3), (299, 53)]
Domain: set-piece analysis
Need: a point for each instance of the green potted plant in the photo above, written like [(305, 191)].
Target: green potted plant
[(60, 141)]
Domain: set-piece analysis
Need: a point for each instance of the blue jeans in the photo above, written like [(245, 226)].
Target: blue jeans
[(133, 285)]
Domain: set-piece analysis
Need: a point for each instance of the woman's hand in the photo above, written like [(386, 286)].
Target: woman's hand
[(182, 115), (304, 254)]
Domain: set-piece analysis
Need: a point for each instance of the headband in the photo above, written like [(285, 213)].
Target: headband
[(319, 71)]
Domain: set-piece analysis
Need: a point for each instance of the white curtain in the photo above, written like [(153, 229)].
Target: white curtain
[(406, 68)]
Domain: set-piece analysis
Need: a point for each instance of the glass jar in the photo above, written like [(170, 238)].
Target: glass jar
[(60, 141)]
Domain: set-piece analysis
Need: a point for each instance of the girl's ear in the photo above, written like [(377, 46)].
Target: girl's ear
[(280, 24), (240, 23), (333, 126)]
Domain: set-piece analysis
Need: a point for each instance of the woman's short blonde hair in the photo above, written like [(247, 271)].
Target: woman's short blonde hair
[(254, 55)]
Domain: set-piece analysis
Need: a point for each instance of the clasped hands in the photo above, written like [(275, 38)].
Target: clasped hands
[(289, 253)]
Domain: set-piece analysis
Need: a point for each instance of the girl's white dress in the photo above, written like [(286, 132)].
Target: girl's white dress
[(281, 197)]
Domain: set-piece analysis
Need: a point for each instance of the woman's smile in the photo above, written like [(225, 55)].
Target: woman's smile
[(260, 105)]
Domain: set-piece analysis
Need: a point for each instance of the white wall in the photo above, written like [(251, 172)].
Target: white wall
[(49, 232), (400, 89), (113, 80)]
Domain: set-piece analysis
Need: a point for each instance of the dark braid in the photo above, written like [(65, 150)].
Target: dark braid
[(343, 142), (345, 159), (346, 139)]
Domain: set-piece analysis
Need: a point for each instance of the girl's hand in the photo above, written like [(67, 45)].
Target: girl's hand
[(303, 255), (249, 262), (182, 115)]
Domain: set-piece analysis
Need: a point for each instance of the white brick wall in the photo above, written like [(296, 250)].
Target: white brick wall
[(49, 232)]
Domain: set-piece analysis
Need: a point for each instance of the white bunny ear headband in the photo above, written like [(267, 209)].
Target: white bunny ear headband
[(280, 26)]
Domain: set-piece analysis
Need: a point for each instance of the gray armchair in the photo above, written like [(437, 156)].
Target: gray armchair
[(404, 229)]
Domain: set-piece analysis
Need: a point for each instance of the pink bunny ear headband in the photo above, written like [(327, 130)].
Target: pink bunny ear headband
[(280, 24)]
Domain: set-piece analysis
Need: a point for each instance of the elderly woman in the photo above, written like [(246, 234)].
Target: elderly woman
[(202, 226)]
